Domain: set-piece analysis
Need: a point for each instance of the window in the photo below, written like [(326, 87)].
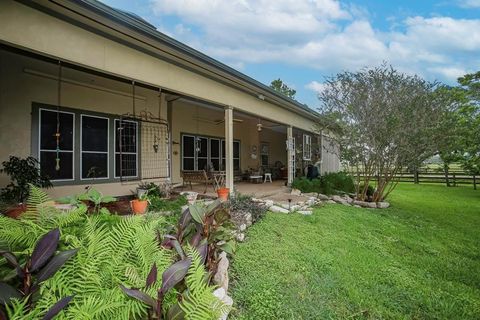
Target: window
[(215, 153), (188, 153), (202, 153), (264, 151), (126, 148), (57, 164), (94, 147), (236, 155), (307, 147)]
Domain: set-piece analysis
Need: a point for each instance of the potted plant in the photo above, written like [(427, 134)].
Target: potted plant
[(139, 205), (223, 193), (190, 195)]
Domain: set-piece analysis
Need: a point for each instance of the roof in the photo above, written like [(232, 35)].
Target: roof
[(138, 24)]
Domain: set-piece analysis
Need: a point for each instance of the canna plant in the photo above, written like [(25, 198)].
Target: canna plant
[(204, 232), (40, 266)]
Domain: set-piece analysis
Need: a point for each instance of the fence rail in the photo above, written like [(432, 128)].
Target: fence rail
[(452, 179)]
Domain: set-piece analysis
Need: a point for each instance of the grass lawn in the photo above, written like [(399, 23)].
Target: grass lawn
[(419, 259)]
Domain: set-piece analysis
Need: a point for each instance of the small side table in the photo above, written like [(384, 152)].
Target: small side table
[(268, 176)]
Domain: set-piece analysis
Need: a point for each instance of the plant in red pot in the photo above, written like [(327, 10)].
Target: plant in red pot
[(223, 193), (139, 206)]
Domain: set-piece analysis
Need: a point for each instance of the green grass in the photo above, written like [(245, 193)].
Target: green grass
[(419, 259)]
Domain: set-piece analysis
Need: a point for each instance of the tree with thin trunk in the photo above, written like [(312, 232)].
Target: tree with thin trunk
[(384, 121)]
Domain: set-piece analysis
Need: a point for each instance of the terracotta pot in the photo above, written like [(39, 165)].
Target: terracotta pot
[(139, 206), (223, 193), (15, 211)]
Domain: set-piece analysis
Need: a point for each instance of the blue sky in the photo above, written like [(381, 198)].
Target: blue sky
[(304, 41)]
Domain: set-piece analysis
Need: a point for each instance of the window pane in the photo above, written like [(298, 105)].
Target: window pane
[(188, 164), (236, 149), (202, 164), (264, 160), (236, 164), (48, 128), (126, 136), (48, 163), (202, 143), (126, 165), (94, 134), (223, 148), (188, 147), (214, 148), (215, 164), (94, 165)]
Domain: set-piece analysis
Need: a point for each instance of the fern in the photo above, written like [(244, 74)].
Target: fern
[(37, 201), (199, 303)]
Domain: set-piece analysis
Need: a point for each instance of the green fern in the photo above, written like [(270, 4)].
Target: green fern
[(199, 303), (37, 201)]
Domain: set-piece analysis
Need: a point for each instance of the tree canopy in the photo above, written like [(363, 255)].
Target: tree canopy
[(280, 86), (383, 120)]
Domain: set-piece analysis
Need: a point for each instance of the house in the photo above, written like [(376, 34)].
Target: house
[(99, 96)]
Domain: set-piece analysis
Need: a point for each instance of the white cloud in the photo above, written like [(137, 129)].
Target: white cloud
[(324, 34), (315, 86), (469, 3)]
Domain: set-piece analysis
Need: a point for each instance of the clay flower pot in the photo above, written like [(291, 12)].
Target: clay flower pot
[(223, 193), (139, 206)]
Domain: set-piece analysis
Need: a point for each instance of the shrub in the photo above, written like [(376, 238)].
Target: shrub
[(330, 183), (241, 204), (339, 182), (21, 172)]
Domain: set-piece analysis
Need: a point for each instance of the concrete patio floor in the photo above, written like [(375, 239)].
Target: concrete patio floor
[(275, 191)]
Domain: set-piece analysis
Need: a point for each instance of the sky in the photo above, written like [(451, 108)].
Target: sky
[(305, 41)]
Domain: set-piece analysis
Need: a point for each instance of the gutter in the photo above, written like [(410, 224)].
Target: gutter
[(258, 90)]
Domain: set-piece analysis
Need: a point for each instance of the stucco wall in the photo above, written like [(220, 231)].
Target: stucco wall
[(20, 86), (30, 28)]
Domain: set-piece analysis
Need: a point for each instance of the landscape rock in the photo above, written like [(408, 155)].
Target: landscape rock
[(311, 201), (268, 203), (240, 237), (357, 206), (248, 219), (242, 227), (340, 200), (365, 204), (349, 200), (221, 294), (383, 205), (310, 194), (278, 209), (330, 201), (296, 192), (323, 197), (221, 276), (305, 212)]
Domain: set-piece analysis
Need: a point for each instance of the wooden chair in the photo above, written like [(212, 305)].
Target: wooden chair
[(200, 176)]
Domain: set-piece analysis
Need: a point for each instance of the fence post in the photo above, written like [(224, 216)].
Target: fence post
[(474, 182), (454, 181)]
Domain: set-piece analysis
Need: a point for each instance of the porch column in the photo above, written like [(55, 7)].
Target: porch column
[(290, 155), (229, 147)]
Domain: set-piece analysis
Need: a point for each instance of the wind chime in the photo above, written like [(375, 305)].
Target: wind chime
[(57, 133)]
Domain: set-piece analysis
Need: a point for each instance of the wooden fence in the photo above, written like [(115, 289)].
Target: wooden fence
[(454, 178)]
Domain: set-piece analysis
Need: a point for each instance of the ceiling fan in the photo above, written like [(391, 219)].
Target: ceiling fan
[(217, 121)]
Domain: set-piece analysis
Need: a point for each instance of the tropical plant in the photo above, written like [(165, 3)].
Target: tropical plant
[(22, 172), (196, 301), (40, 266), (96, 198), (112, 250)]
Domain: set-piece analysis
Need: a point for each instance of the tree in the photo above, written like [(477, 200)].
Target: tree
[(281, 87), (384, 121)]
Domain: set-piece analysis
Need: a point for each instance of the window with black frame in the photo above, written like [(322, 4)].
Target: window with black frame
[(49, 123), (94, 147)]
